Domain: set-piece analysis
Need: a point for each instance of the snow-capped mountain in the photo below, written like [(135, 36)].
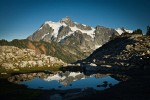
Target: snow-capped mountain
[(76, 39), (66, 28), (122, 30), (57, 31)]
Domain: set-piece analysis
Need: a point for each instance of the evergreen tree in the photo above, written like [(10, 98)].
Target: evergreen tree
[(138, 31), (148, 31)]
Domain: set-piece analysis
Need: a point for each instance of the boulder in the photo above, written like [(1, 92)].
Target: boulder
[(23, 64), (40, 63), (32, 63), (92, 64), (7, 66), (129, 47)]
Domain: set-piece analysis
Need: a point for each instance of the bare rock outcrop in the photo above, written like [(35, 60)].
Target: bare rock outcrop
[(13, 57)]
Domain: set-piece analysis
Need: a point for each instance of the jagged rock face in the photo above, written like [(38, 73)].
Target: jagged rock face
[(103, 35), (63, 31), (79, 40), (42, 34), (12, 57), (68, 21)]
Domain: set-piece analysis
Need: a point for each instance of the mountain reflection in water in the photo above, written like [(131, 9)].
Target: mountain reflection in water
[(64, 81)]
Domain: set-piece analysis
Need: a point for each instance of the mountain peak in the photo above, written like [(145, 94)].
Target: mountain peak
[(67, 18)]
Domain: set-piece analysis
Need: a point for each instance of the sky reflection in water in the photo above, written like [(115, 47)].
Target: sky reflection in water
[(59, 82)]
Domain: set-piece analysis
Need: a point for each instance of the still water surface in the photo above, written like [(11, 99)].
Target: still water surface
[(64, 81)]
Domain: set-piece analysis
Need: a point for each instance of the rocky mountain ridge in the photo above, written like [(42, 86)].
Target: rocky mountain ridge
[(127, 52)]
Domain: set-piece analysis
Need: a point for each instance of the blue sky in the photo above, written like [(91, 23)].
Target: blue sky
[(20, 18)]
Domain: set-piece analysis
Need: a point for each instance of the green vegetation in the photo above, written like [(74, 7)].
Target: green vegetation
[(15, 42), (138, 31), (56, 50)]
